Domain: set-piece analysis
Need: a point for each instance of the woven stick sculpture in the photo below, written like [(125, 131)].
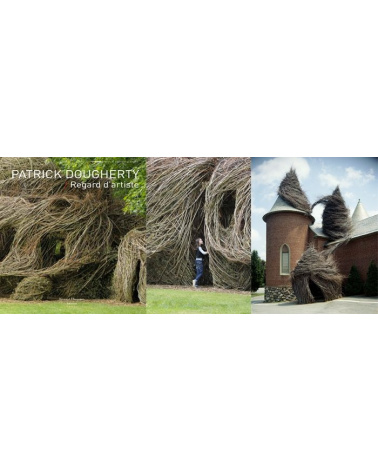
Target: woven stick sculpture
[(129, 281), (228, 223), (175, 201), (291, 191), (48, 229), (33, 288), (319, 268), (199, 197), (336, 222)]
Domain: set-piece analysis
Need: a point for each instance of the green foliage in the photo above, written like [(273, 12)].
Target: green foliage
[(258, 271), (371, 285), (134, 198), (354, 284)]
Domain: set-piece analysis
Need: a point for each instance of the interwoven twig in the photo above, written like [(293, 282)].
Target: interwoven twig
[(291, 191), (320, 268), (187, 199), (337, 224), (129, 280), (36, 214)]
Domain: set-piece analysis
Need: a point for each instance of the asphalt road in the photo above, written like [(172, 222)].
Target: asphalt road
[(353, 305)]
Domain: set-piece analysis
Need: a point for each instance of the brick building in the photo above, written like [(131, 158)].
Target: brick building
[(289, 232)]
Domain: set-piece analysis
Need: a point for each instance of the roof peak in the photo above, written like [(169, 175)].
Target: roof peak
[(359, 212)]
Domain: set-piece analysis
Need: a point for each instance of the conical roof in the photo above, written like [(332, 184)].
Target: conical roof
[(281, 205), (359, 213)]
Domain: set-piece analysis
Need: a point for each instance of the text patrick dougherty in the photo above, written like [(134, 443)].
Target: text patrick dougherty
[(78, 174), (128, 175)]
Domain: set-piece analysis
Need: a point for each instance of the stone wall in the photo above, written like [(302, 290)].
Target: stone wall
[(278, 294)]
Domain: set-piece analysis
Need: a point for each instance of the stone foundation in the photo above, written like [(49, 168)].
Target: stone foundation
[(278, 294)]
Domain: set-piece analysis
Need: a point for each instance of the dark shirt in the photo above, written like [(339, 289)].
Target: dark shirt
[(199, 254)]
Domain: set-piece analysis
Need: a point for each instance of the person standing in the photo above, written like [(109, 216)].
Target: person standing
[(200, 253)]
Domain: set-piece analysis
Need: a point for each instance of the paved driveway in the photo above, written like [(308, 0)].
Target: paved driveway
[(358, 304)]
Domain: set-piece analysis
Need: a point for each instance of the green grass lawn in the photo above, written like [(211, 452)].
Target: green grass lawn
[(159, 300), (190, 301), (68, 307)]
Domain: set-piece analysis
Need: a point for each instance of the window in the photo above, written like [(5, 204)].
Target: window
[(285, 260)]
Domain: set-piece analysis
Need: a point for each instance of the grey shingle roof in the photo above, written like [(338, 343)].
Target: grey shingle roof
[(281, 205), (366, 226), (360, 228), (318, 231)]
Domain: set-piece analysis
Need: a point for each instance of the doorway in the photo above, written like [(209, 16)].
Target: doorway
[(316, 292)]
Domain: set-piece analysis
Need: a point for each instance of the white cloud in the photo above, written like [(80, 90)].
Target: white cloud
[(258, 210), (317, 214), (329, 180), (262, 251), (272, 171), (355, 174), (255, 236), (269, 196), (260, 248), (350, 178)]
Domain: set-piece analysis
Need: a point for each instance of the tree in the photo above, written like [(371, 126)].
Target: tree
[(354, 284), (258, 272), (135, 197), (371, 285)]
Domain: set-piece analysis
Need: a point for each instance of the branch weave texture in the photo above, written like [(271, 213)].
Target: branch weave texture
[(48, 229), (321, 269), (205, 197), (291, 191)]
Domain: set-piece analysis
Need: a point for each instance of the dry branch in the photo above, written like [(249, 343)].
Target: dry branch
[(319, 268), (33, 288), (48, 229), (228, 223), (129, 282), (337, 224), (175, 200), (291, 191), (199, 197)]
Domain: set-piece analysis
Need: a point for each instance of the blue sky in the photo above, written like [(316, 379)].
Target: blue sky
[(356, 176)]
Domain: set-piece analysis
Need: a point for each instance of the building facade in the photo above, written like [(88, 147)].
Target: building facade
[(290, 231)]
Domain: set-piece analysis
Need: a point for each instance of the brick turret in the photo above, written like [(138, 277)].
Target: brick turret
[(286, 240)]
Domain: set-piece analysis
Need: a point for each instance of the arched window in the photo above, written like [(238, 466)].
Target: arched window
[(285, 260)]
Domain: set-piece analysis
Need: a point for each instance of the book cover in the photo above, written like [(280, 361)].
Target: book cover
[(72, 235)]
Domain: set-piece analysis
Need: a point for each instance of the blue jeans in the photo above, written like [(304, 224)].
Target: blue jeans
[(199, 270)]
